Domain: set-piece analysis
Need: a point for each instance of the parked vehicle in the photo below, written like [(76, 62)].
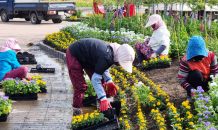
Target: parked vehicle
[(34, 10)]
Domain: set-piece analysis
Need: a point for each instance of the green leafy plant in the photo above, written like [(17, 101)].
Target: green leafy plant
[(90, 90), (19, 87), (5, 105)]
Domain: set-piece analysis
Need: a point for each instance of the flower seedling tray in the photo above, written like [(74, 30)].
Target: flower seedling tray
[(28, 96), (112, 124), (89, 101), (43, 90), (4, 117), (42, 70), (157, 67)]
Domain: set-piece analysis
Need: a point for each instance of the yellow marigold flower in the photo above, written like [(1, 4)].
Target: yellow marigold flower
[(191, 123), (120, 118)]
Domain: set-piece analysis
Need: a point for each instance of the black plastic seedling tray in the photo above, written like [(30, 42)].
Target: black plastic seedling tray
[(42, 70), (89, 101), (112, 124), (157, 67), (23, 62), (25, 54), (28, 96), (4, 117), (43, 90)]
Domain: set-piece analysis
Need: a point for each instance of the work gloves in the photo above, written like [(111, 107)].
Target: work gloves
[(104, 104), (154, 55), (111, 88)]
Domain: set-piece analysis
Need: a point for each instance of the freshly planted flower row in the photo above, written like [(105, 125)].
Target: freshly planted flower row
[(178, 122)]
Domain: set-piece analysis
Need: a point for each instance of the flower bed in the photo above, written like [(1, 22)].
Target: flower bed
[(154, 98), (70, 34), (20, 90), (5, 108)]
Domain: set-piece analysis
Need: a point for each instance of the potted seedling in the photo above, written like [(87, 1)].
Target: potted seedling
[(5, 108), (41, 83), (20, 89)]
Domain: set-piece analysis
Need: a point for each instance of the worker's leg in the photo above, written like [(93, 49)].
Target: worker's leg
[(75, 71), (20, 73)]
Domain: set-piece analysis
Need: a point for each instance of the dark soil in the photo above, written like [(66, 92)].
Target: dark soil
[(168, 79)]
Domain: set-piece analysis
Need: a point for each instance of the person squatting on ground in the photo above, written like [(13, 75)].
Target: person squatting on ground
[(96, 57), (197, 66), (156, 45), (10, 67)]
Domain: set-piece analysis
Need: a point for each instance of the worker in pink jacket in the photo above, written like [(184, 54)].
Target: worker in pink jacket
[(10, 67), (156, 45)]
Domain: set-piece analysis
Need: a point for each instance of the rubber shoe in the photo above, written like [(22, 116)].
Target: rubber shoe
[(138, 65), (77, 112)]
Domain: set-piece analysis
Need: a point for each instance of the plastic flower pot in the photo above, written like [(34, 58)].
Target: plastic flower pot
[(110, 113), (26, 59), (4, 117), (117, 106), (43, 90)]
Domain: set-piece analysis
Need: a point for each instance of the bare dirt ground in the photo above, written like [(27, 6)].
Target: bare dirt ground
[(25, 32)]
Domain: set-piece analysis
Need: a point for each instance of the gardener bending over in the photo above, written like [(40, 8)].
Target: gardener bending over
[(197, 66), (96, 57), (156, 45), (10, 67)]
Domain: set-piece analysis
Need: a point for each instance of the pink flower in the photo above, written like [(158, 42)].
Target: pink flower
[(202, 27), (176, 18), (169, 11), (95, 25), (113, 22)]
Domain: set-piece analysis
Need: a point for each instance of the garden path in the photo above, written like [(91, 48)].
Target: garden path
[(52, 110)]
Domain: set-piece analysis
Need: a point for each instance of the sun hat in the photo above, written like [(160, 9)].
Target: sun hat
[(126, 56), (196, 47), (155, 19), (10, 44)]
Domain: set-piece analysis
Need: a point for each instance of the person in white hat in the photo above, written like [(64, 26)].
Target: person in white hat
[(96, 57), (156, 45), (10, 67)]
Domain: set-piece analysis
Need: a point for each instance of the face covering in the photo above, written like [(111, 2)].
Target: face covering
[(153, 27), (198, 58)]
